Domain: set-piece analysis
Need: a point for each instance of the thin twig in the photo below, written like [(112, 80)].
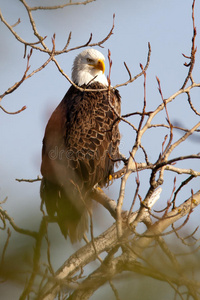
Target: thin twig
[(29, 180), (191, 105), (193, 50), (139, 74), (4, 248), (15, 227), (18, 22), (14, 112), (60, 6)]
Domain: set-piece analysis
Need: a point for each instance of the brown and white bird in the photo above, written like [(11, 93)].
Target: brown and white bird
[(80, 145)]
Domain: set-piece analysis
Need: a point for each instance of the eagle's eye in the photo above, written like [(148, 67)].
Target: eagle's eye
[(90, 61)]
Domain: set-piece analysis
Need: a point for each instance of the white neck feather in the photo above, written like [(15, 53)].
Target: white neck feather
[(84, 77)]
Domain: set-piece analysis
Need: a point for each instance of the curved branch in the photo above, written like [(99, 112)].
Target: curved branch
[(139, 74), (61, 5)]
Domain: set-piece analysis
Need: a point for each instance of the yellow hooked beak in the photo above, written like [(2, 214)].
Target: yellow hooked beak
[(100, 65)]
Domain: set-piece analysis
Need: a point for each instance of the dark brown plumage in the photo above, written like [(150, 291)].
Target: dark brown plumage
[(80, 139)]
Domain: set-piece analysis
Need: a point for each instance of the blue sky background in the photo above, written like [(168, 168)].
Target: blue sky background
[(167, 25)]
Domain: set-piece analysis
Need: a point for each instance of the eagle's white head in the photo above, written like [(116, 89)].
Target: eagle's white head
[(89, 67)]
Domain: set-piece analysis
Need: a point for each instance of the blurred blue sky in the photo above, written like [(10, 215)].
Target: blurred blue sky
[(167, 25)]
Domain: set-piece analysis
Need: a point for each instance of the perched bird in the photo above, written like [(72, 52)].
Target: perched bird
[(80, 145)]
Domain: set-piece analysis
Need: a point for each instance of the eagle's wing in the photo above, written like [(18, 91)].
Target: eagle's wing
[(79, 147)]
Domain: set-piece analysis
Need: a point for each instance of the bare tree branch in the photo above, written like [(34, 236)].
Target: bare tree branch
[(61, 5), (109, 238)]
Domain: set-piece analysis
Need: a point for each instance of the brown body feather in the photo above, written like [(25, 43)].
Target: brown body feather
[(81, 137)]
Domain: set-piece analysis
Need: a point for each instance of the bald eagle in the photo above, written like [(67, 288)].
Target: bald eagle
[(80, 145)]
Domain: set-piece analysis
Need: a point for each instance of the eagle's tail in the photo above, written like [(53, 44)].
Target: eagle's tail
[(72, 213)]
